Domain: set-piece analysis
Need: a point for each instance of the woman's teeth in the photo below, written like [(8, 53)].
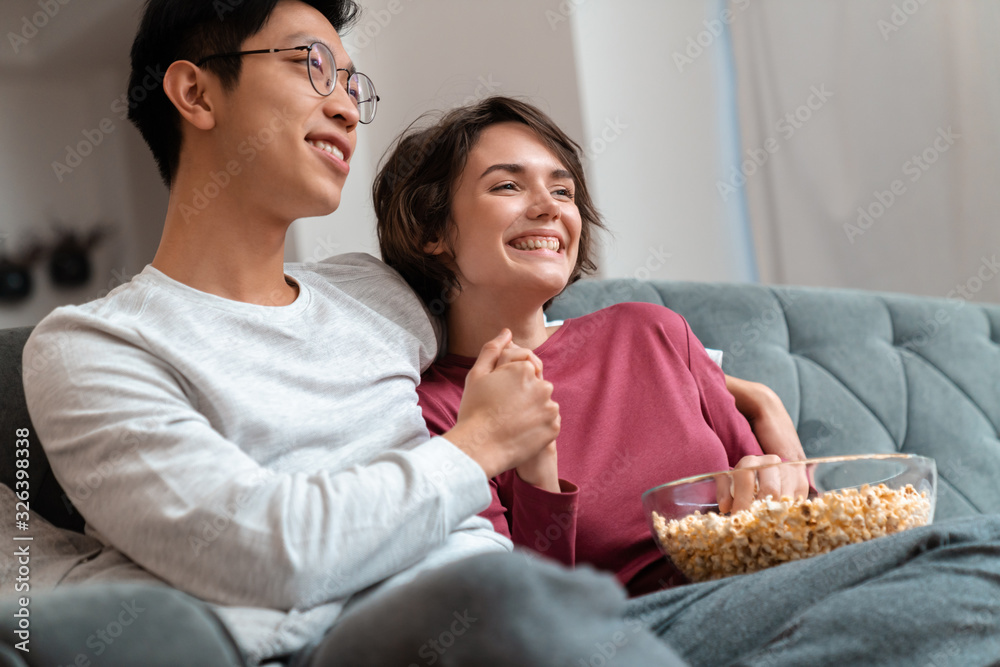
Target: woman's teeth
[(537, 244), (329, 148)]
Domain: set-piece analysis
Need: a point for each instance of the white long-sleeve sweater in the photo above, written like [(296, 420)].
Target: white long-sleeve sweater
[(257, 457)]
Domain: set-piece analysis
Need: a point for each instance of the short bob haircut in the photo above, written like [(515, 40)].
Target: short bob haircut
[(413, 189), (173, 30)]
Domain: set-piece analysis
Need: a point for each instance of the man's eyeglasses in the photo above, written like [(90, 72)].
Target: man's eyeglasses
[(323, 76)]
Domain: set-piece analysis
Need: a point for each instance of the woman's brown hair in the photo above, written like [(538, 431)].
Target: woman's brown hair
[(413, 188)]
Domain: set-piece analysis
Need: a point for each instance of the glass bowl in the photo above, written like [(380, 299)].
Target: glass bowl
[(851, 499)]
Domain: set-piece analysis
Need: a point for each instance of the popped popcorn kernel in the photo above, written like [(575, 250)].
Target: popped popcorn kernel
[(771, 532)]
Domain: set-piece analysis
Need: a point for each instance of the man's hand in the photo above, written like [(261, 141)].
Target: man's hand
[(507, 415), (768, 418), (749, 485)]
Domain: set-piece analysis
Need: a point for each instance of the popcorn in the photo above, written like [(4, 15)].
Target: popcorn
[(771, 532)]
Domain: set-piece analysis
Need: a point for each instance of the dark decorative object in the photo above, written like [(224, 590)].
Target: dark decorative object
[(69, 258), (15, 272)]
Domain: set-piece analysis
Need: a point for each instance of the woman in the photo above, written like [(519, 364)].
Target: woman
[(487, 215)]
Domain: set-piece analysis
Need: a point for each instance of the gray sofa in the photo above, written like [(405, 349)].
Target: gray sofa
[(858, 372)]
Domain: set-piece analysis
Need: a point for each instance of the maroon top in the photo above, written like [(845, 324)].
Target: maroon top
[(642, 404)]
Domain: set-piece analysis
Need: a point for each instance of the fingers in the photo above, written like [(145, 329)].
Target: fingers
[(724, 493), (748, 482), (513, 353), (490, 354), (794, 481), (744, 489), (769, 482)]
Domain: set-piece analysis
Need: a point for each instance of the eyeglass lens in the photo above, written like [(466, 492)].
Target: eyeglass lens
[(323, 75), (322, 69)]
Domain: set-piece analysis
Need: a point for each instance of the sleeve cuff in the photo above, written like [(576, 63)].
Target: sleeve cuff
[(459, 479), (530, 494)]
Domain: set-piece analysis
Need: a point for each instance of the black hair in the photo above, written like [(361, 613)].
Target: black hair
[(174, 30)]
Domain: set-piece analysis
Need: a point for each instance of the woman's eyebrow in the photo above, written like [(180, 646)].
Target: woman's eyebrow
[(517, 169), (512, 168)]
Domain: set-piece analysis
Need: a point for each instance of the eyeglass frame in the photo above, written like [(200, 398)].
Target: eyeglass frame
[(308, 49)]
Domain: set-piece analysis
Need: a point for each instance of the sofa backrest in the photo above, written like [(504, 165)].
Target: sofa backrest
[(859, 372)]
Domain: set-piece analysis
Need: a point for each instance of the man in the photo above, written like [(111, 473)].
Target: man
[(269, 456)]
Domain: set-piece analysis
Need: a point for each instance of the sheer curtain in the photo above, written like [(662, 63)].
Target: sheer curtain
[(871, 143)]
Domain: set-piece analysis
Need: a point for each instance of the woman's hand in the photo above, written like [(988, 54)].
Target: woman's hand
[(749, 485), (771, 423), (542, 470)]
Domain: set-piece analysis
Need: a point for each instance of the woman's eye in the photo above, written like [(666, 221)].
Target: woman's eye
[(503, 186), (564, 192)]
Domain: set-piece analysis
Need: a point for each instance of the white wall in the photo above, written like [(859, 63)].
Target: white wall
[(654, 135), (888, 178)]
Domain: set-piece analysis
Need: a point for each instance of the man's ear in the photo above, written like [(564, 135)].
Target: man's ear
[(188, 88)]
